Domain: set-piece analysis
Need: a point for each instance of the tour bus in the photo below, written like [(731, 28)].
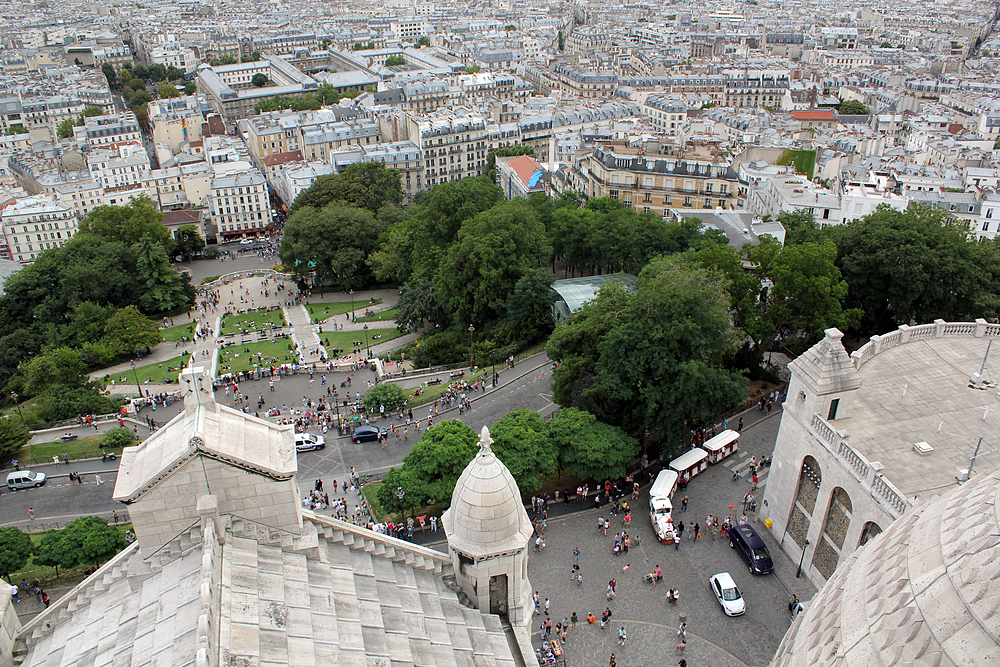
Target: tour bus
[(690, 463), (722, 445)]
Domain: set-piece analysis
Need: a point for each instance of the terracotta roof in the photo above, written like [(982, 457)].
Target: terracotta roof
[(812, 115), (283, 158), (181, 217), (525, 166)]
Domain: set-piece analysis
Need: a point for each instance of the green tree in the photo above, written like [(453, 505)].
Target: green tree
[(163, 287), (157, 72), (117, 438), (15, 548), (806, 292), (91, 112), (129, 330), (87, 322), (800, 226), (334, 242), (393, 61), (66, 402), (424, 41), (915, 265), (13, 435), (439, 458), (387, 394), (140, 72), (414, 491), (415, 247), (370, 185), (259, 80), (473, 69), (188, 241), (109, 73), (128, 224), (633, 359), (418, 303), (493, 251), (65, 129), (20, 129), (561, 40), (852, 108), (61, 366), (510, 28), (521, 441), (588, 448), (86, 541), (174, 73), (167, 90), (529, 306), (190, 88)]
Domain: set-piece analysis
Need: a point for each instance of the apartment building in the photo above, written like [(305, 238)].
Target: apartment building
[(175, 121), (32, 225), (180, 187), (183, 58), (123, 168), (453, 144), (583, 83), (655, 176), (230, 91), (111, 130), (666, 113), (239, 205), (755, 88)]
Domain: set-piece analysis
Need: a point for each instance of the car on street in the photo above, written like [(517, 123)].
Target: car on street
[(24, 479), (751, 548), (728, 594), (306, 442), (368, 433), (247, 242)]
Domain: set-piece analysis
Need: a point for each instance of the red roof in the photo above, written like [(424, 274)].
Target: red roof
[(283, 158), (813, 115), (524, 166)]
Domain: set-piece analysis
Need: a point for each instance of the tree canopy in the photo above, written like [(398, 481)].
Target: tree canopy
[(369, 185), (588, 448), (13, 435), (86, 541), (521, 441), (438, 459), (15, 549)]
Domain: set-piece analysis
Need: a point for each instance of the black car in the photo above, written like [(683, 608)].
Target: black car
[(368, 433)]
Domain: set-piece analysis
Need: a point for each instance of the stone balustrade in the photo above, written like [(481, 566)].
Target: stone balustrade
[(868, 474), (905, 334)]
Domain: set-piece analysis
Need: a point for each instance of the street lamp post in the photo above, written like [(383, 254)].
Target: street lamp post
[(472, 359), (399, 496), (136, 373), (801, 558), (352, 305), (368, 348), (13, 398)]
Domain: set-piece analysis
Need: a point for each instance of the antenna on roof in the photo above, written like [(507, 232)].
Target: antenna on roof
[(977, 378)]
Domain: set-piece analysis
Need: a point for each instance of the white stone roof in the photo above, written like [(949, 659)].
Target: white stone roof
[(214, 430), (827, 365), (487, 515), (925, 592)]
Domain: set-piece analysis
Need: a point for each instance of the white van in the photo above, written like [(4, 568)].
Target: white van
[(24, 479)]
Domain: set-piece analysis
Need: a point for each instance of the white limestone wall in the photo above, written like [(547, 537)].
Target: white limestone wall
[(9, 625), (795, 442), (167, 509), (475, 581)]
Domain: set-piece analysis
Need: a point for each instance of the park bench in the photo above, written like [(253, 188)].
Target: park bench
[(458, 374), (433, 382)]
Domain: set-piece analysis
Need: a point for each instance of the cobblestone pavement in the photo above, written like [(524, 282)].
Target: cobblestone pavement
[(714, 640)]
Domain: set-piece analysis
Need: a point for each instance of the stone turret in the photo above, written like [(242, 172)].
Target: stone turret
[(488, 532)]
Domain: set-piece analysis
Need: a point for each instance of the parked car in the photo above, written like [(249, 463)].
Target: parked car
[(368, 433), (727, 593), (751, 549), (247, 242), (24, 479), (306, 442)]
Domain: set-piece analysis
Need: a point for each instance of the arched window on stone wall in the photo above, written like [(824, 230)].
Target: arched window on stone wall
[(869, 533), (835, 527), (810, 479)]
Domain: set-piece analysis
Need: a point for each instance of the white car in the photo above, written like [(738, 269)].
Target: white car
[(728, 594), (306, 442), (246, 242)]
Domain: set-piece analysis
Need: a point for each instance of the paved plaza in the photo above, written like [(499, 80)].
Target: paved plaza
[(714, 640)]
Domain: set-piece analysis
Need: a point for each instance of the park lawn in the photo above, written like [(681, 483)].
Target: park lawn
[(322, 310), (254, 320), (230, 363), (46, 450), (342, 339), (152, 374), (384, 316), (173, 334), (46, 574)]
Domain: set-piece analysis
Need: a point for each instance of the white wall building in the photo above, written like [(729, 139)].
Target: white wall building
[(32, 225)]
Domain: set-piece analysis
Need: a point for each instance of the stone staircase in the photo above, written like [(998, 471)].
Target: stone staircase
[(359, 597)]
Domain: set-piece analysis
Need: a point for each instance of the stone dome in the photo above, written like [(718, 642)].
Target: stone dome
[(924, 592), (486, 516)]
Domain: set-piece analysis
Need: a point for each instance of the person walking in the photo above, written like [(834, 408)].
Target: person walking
[(684, 504), (622, 637), (573, 620), (13, 594), (31, 513), (97, 478), (576, 555), (677, 541)]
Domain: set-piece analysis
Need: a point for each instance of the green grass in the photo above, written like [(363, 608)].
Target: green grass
[(252, 320), (384, 316), (230, 363), (47, 575), (152, 374), (804, 161), (342, 339), (76, 449), (322, 310), (209, 279), (371, 494), (174, 334)]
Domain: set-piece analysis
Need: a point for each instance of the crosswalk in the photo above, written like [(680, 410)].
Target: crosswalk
[(740, 462)]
